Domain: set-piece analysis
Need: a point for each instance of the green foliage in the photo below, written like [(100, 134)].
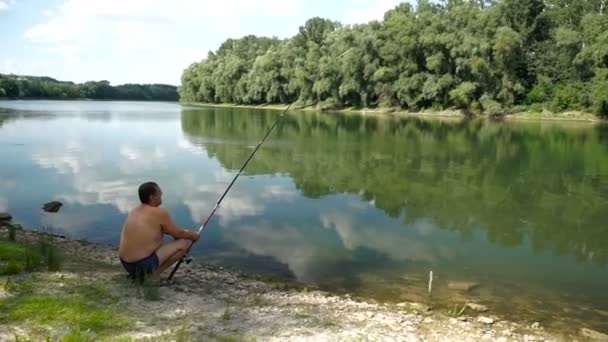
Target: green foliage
[(29, 87), (31, 258), (599, 93), (12, 231), (151, 292), (566, 96), (434, 55), (457, 311), (11, 268), (85, 318), (10, 250), (31, 255), (464, 95), (490, 106), (49, 252)]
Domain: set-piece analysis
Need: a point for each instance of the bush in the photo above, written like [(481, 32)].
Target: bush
[(537, 94), (536, 107), (566, 96), (329, 104), (491, 106), (464, 94), (598, 94)]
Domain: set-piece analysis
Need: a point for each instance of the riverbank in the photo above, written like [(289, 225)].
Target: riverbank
[(91, 299), (577, 116)]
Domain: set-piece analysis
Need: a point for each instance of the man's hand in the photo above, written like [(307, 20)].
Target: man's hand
[(194, 236)]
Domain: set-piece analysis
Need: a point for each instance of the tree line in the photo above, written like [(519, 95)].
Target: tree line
[(480, 56), (31, 87)]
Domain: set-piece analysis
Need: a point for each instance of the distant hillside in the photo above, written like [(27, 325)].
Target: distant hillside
[(42, 87)]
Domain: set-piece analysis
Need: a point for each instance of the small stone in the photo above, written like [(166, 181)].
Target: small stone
[(5, 217), (477, 307), (594, 335), (485, 320), (52, 207), (464, 286), (536, 325), (417, 306)]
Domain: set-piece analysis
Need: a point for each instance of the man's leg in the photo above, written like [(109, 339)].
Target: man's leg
[(169, 253)]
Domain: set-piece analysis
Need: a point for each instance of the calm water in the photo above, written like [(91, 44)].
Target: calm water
[(349, 203)]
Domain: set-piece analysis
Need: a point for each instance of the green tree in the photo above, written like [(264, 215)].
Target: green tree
[(479, 55)]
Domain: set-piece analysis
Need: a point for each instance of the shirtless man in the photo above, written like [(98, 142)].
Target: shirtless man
[(142, 250)]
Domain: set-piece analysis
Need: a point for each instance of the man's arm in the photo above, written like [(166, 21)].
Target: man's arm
[(170, 228)]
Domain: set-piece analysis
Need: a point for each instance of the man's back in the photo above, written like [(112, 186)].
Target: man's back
[(141, 234)]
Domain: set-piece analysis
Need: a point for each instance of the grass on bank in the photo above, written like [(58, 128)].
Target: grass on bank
[(24, 255), (46, 305), (83, 308), (69, 305)]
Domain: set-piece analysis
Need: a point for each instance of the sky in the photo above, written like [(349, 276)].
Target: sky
[(152, 41)]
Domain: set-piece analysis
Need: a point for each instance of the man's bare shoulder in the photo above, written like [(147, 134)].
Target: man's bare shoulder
[(158, 212)]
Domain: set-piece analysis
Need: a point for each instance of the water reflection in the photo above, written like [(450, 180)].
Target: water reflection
[(515, 181)]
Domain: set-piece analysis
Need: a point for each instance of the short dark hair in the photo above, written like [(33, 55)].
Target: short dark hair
[(146, 190)]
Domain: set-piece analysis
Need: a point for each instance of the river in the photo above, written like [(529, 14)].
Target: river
[(361, 204)]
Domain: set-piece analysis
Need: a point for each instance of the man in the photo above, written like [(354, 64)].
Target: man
[(142, 250)]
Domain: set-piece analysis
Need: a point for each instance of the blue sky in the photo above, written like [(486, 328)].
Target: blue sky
[(149, 41)]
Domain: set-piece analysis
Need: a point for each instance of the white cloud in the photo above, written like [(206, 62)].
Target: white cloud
[(370, 10), (279, 192), (11, 66), (302, 251), (289, 245), (154, 33), (64, 164), (396, 246), (93, 190), (55, 31), (187, 145), (130, 152), (6, 4), (240, 204)]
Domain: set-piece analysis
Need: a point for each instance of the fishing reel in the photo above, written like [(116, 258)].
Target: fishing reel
[(187, 259)]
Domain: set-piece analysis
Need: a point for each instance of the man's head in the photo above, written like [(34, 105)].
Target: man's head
[(150, 194)]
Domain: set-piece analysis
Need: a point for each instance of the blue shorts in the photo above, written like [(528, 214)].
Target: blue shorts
[(142, 267)]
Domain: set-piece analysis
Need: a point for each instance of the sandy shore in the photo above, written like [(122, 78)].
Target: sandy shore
[(206, 302), (452, 114)]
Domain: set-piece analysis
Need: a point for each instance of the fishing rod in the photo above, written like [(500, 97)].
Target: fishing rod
[(217, 205)]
